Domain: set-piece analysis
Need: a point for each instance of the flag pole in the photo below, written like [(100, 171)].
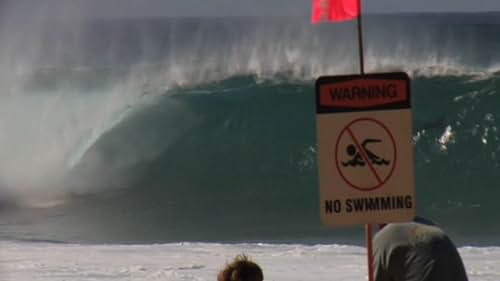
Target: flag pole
[(368, 227), (360, 40), (369, 249)]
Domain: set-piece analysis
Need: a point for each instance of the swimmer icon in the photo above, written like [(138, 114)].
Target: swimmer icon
[(365, 154), (358, 160)]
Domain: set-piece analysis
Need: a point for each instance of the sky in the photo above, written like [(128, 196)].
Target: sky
[(155, 8)]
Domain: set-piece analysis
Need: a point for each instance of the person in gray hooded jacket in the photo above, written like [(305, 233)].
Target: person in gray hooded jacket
[(416, 251)]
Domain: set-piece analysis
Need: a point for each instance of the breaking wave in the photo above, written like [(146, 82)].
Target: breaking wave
[(177, 129)]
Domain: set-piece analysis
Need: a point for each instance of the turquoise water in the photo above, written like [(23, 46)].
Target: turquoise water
[(204, 129)]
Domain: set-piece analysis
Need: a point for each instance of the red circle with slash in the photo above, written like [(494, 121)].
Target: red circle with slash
[(348, 132)]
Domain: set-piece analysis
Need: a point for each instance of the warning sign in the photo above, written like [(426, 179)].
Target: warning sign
[(365, 149)]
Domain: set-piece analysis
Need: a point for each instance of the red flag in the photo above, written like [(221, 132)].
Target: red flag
[(335, 10)]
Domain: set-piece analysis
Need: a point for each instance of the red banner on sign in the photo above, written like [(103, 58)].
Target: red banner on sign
[(363, 93)]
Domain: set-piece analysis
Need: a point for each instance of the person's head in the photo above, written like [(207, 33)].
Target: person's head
[(241, 269)]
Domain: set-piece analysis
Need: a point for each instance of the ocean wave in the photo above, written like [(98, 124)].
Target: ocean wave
[(170, 132), (183, 52)]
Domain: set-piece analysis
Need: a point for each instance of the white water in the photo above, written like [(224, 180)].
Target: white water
[(199, 261)]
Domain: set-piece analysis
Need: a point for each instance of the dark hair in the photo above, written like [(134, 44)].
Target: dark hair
[(423, 221), (417, 219), (241, 269)]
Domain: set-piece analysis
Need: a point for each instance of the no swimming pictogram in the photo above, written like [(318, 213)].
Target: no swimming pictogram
[(365, 154)]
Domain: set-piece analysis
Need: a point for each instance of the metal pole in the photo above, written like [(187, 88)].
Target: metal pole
[(369, 247), (368, 227), (360, 40)]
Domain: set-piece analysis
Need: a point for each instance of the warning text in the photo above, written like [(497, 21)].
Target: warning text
[(369, 204), (363, 93)]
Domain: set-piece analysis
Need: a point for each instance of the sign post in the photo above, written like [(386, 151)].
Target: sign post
[(379, 148), (365, 150)]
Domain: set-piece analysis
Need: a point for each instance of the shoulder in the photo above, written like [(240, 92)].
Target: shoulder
[(412, 232)]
